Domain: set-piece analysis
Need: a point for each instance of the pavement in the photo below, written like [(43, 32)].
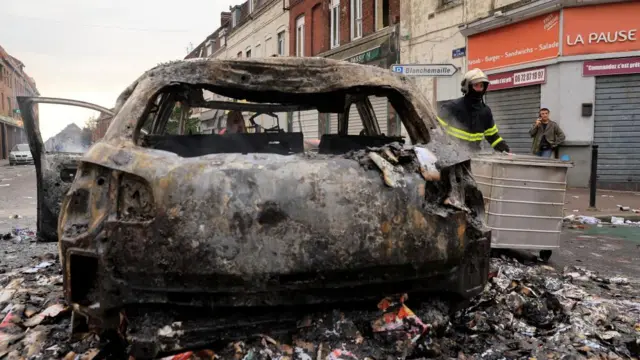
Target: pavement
[(607, 202)]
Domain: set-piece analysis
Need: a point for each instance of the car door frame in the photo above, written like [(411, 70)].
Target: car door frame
[(36, 145)]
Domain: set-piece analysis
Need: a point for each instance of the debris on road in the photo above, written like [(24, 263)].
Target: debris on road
[(523, 312), (581, 219), (617, 220), (20, 234)]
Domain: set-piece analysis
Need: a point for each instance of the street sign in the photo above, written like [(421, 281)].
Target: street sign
[(459, 52), (425, 69)]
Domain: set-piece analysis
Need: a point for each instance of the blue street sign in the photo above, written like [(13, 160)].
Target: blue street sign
[(460, 52), (397, 69)]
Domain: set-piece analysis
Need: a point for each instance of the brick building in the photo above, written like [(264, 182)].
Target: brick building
[(14, 82), (359, 31)]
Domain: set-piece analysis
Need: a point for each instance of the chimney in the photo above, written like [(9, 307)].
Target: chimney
[(225, 16)]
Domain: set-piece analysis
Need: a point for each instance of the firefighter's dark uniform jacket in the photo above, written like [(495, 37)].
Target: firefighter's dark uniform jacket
[(470, 120)]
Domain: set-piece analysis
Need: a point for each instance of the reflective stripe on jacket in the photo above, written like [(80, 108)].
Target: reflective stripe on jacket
[(470, 124)]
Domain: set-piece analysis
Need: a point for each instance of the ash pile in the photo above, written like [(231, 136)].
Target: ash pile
[(524, 312)]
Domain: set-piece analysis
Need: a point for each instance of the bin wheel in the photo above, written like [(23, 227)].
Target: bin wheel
[(545, 255)]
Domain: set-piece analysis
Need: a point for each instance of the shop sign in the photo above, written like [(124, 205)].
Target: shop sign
[(611, 67), (458, 53), (366, 56), (524, 42), (599, 29), (518, 78)]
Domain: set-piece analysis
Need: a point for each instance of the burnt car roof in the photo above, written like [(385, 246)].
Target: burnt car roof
[(284, 80)]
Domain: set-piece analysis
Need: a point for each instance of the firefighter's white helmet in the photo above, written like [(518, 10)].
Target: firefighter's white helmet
[(473, 76)]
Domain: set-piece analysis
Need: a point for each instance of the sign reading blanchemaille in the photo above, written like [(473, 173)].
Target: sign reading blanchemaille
[(513, 79), (606, 67), (425, 69)]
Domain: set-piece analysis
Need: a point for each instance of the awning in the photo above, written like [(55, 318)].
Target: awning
[(11, 121)]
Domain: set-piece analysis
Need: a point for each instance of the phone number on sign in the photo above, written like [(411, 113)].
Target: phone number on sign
[(528, 77)]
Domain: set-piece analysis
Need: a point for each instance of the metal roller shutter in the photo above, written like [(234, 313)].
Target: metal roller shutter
[(617, 130), (355, 122), (309, 122), (514, 111), (380, 108)]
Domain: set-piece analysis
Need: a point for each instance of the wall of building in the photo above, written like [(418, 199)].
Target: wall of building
[(317, 22), (316, 33), (563, 93), (429, 31), (259, 33)]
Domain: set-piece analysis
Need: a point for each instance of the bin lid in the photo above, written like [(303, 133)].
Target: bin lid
[(517, 159)]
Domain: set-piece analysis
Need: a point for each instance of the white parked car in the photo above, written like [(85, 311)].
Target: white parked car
[(20, 154)]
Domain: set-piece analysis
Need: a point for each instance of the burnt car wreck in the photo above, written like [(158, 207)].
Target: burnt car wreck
[(175, 241)]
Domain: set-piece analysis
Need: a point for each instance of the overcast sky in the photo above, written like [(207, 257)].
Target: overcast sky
[(92, 50)]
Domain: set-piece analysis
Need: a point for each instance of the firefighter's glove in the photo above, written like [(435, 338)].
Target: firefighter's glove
[(502, 147)]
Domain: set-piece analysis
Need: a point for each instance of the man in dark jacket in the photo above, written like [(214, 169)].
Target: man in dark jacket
[(468, 118), (546, 135)]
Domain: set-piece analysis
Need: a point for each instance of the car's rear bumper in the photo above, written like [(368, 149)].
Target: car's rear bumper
[(214, 304)]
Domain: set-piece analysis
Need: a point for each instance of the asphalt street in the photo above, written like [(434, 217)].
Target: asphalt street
[(18, 210)]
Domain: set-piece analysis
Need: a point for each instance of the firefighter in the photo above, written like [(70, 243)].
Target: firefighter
[(468, 118)]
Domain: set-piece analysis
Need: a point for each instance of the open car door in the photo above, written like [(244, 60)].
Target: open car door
[(55, 161)]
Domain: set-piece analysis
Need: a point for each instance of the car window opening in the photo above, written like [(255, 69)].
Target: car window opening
[(191, 121)]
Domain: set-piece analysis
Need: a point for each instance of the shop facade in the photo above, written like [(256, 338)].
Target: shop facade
[(583, 63), (11, 134)]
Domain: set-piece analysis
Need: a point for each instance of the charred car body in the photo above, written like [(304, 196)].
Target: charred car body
[(182, 235)]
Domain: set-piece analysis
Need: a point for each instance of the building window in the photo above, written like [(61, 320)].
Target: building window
[(235, 17), (335, 23), (258, 51), (221, 39), (300, 36), (248, 53), (281, 43), (356, 19), (239, 54), (382, 14), (267, 46)]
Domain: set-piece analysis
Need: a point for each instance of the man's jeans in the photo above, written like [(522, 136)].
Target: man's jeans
[(545, 153)]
